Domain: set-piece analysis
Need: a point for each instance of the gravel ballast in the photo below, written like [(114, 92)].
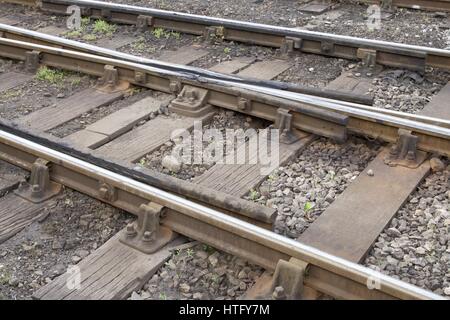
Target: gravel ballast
[(415, 247)]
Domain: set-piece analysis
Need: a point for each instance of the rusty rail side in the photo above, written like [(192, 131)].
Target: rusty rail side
[(386, 53), (326, 273), (325, 118), (16, 33)]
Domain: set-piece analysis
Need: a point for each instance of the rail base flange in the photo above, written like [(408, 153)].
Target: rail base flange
[(39, 188), (146, 234)]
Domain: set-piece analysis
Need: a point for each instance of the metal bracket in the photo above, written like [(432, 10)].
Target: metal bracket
[(287, 283), (110, 82), (244, 104), (143, 22), (289, 45), (191, 102), (32, 60), (368, 57), (175, 86), (386, 5), (284, 124), (140, 77), (146, 234), (404, 152), (39, 188), (327, 47), (107, 192), (214, 33)]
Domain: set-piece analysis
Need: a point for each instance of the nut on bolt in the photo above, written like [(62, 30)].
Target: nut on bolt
[(131, 230), (278, 293), (104, 192), (147, 237)]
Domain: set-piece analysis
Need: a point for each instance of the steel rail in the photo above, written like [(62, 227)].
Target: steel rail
[(387, 53), (310, 114), (350, 280), (433, 5), (16, 33)]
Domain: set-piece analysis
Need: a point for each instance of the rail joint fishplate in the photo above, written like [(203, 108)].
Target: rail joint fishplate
[(146, 234), (39, 188), (404, 152)]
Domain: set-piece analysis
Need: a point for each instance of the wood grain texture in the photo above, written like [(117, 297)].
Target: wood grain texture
[(265, 70), (11, 80), (233, 66), (351, 224), (184, 55), (115, 42), (117, 123), (112, 272), (238, 179), (349, 83), (10, 177), (17, 213), (147, 138), (68, 109), (439, 105)]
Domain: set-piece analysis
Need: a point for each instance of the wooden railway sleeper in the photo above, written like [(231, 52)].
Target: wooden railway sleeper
[(39, 188), (146, 234), (404, 152)]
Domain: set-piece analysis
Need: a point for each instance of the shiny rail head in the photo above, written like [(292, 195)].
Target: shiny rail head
[(224, 222)]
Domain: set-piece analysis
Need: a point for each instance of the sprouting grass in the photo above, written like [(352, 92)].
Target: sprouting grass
[(162, 33), (308, 206), (162, 296), (74, 34), (90, 37), (85, 22), (226, 50), (254, 195), (189, 252), (50, 75), (103, 27), (158, 32)]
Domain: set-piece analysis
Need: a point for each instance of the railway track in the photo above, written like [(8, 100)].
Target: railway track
[(106, 158)]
